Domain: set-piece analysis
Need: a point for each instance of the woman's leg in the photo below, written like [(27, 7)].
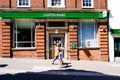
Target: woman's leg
[(56, 57)]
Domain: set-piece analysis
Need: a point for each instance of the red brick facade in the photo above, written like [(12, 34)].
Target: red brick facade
[(4, 4), (98, 4), (6, 42)]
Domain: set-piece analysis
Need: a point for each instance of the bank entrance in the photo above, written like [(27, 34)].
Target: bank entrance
[(56, 31)]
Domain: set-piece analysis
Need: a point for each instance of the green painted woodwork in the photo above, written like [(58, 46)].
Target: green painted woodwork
[(114, 31)]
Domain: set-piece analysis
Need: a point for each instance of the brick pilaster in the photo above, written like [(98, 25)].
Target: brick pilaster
[(40, 41), (6, 39), (72, 38), (103, 41)]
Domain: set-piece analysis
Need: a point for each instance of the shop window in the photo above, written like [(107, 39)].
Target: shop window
[(87, 34), (24, 34), (56, 3), (87, 3), (23, 3)]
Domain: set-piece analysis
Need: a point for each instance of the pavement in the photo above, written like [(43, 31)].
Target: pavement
[(40, 69)]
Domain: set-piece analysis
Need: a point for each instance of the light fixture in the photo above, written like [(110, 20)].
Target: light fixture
[(56, 31)]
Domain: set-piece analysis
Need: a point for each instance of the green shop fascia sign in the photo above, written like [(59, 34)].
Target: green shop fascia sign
[(54, 14), (114, 31)]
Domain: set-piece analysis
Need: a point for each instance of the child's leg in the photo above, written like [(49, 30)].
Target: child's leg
[(61, 61)]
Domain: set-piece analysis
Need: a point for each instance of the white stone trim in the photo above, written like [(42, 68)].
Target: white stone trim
[(92, 4), (23, 6), (111, 48)]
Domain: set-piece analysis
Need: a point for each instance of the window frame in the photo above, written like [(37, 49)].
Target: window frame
[(49, 5), (92, 4), (23, 5), (80, 34), (15, 37)]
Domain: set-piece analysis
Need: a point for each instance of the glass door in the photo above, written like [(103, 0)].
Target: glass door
[(117, 49), (53, 41)]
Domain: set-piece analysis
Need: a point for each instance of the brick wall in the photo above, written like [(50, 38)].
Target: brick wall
[(24, 53), (13, 3), (98, 4), (70, 4), (4, 4), (89, 54), (37, 3)]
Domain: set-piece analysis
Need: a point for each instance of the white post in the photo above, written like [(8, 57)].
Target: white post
[(111, 48)]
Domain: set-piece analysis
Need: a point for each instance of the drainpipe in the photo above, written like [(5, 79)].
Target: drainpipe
[(75, 3), (9, 3), (43, 3)]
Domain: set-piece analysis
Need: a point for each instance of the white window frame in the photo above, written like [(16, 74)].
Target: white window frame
[(49, 4), (23, 5), (92, 3), (80, 33), (15, 38)]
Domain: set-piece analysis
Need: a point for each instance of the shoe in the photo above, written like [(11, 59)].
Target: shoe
[(52, 63)]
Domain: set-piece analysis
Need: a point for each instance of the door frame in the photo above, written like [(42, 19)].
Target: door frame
[(116, 59), (57, 30)]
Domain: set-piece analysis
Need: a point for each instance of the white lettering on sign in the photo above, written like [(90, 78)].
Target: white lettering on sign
[(54, 15), (104, 13)]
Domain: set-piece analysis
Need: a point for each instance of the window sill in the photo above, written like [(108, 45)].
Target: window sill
[(56, 6), (30, 48), (81, 48), (87, 7), (23, 6)]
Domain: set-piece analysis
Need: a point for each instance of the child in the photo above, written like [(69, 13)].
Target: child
[(60, 57)]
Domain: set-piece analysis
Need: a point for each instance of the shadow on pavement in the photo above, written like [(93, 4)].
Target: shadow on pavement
[(3, 65), (67, 74)]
